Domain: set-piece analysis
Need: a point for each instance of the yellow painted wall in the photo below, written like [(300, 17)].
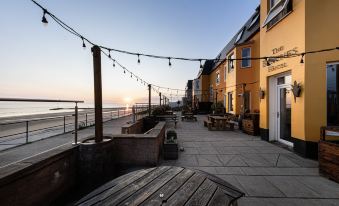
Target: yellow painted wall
[(230, 84), (205, 82), (289, 33), (250, 74), (322, 31), (221, 86)]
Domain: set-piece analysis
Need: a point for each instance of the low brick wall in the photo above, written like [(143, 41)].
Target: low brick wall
[(133, 128), (139, 149), (39, 180)]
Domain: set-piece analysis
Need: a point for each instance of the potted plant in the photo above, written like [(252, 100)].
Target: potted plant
[(171, 145)]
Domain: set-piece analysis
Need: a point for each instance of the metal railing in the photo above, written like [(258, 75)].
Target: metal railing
[(27, 130)]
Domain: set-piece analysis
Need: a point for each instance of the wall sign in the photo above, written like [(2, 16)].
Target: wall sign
[(273, 62)]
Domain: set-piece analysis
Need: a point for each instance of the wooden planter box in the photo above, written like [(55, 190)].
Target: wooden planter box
[(250, 125), (329, 159)]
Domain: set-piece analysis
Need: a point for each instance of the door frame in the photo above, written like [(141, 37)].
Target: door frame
[(274, 121)]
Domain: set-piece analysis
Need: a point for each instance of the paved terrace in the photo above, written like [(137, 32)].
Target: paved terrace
[(267, 173)]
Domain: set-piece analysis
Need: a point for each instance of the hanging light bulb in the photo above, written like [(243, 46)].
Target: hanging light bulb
[(302, 58), (232, 65), (131, 75), (268, 62), (138, 58), (113, 62), (169, 62), (109, 53), (83, 43), (200, 64), (137, 79), (44, 20), (124, 71)]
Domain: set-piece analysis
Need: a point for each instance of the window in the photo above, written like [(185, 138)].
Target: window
[(247, 101), (254, 20), (278, 10), (245, 53), (230, 101), (332, 94), (239, 35), (218, 78), (273, 3), (211, 93), (230, 63)]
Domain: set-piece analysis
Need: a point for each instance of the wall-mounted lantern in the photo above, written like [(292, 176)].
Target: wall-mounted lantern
[(261, 93), (296, 90)]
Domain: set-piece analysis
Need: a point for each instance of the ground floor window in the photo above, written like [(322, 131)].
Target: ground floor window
[(230, 101), (332, 94), (247, 101)]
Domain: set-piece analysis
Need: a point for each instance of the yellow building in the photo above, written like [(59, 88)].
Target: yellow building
[(241, 91), (295, 26)]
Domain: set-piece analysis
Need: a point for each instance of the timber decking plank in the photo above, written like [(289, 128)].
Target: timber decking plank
[(133, 187), (181, 196), (142, 194), (204, 193), (164, 193), (219, 199), (112, 186)]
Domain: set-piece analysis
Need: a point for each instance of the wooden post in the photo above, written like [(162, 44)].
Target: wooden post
[(160, 97), (97, 93), (76, 124), (243, 98), (149, 99)]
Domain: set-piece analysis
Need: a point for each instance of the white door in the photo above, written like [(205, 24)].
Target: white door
[(283, 123)]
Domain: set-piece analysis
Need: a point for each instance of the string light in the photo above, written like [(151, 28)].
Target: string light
[(138, 58), (200, 64), (169, 62), (232, 65), (109, 53), (113, 62), (44, 20), (124, 71), (302, 58), (83, 43), (268, 62)]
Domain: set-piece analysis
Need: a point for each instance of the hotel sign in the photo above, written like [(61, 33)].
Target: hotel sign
[(278, 62)]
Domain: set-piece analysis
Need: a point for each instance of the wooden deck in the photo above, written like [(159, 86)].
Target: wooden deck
[(164, 185)]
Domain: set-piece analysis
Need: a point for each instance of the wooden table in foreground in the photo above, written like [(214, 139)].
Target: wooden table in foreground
[(164, 186)]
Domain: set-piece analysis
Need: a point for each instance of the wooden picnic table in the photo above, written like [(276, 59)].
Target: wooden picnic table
[(221, 122), (164, 185)]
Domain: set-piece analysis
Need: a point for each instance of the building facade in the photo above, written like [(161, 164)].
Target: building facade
[(288, 27)]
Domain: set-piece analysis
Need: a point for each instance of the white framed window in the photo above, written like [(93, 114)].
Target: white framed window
[(245, 53), (230, 62), (217, 80), (230, 101)]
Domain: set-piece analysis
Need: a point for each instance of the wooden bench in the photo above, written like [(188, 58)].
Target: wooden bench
[(164, 185), (188, 117)]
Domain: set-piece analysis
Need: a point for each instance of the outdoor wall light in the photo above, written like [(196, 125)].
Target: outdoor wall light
[(296, 90), (261, 94)]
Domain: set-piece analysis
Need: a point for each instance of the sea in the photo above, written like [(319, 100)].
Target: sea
[(12, 109)]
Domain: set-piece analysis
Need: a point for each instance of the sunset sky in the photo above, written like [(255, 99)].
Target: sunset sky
[(48, 62)]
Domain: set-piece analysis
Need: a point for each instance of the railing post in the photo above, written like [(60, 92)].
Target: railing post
[(86, 119), (64, 124), (76, 124), (118, 112), (133, 111), (111, 115), (27, 130), (149, 99)]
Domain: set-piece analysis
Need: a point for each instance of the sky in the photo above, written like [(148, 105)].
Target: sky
[(47, 62)]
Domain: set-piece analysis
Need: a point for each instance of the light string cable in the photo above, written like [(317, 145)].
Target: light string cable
[(169, 58)]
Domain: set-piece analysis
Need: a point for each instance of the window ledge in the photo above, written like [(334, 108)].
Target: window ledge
[(282, 18)]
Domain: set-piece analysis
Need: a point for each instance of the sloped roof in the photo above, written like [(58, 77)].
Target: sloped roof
[(248, 30)]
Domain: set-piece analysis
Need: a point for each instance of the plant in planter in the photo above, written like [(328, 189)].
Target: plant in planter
[(218, 108), (171, 145)]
